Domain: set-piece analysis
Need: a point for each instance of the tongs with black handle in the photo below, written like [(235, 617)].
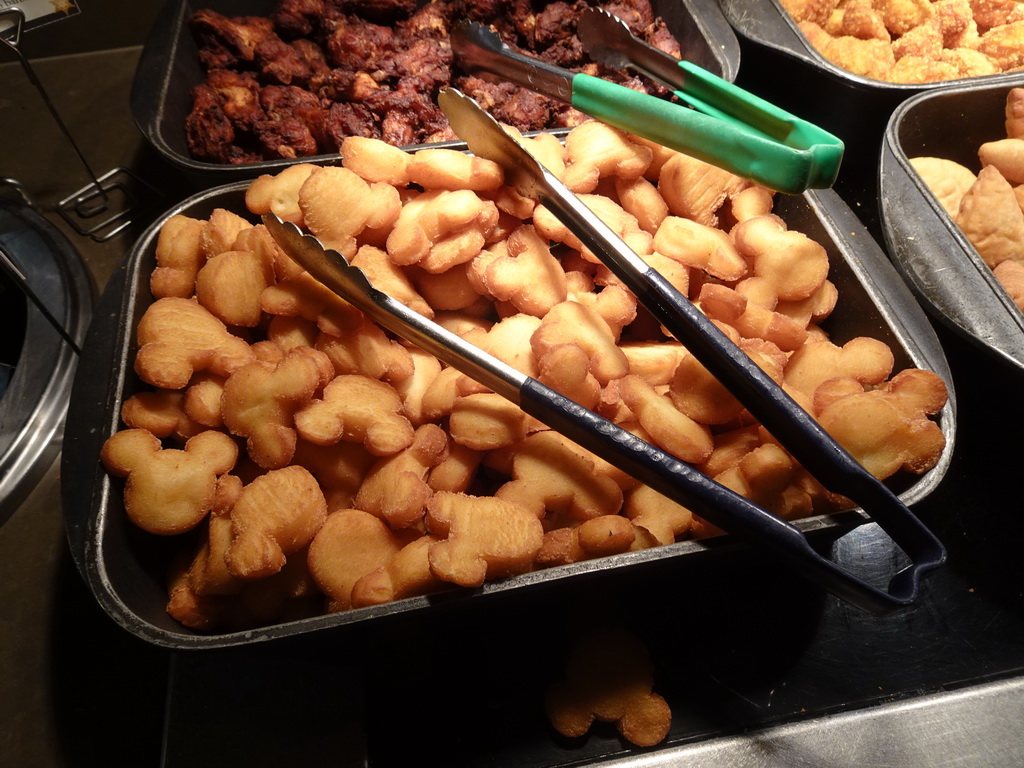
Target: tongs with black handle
[(727, 126)]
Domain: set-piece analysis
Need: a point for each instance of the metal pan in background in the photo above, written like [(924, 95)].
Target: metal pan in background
[(125, 567), (169, 68), (934, 256)]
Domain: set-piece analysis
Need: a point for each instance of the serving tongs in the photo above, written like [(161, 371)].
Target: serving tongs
[(728, 126), (682, 483)]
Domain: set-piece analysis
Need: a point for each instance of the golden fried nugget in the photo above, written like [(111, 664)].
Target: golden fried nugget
[(168, 490), (867, 360), (220, 232), (485, 421), (407, 574), (525, 273), (670, 429), (231, 284), (439, 229), (1015, 113), (337, 206), (795, 264), (595, 150), (482, 537), (375, 160), (664, 519), (161, 412), (178, 337), (437, 168), (566, 369), (1005, 44)]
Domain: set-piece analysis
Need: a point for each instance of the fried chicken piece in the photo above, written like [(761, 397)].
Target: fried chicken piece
[(380, 11), (239, 95), (430, 22), (637, 14), (424, 64), (347, 119), (408, 116), (282, 63), (297, 18), (209, 133), (228, 41), (359, 45), (294, 117), (557, 21), (658, 34), (524, 109)]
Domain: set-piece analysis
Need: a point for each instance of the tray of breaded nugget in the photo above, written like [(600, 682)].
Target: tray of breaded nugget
[(226, 90), (248, 457), (952, 200)]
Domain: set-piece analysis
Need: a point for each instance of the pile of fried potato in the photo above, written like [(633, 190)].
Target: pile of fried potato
[(307, 461)]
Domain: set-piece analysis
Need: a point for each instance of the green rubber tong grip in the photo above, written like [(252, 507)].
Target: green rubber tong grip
[(729, 128)]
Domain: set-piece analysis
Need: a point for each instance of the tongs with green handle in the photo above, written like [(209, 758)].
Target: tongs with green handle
[(728, 127), (791, 425)]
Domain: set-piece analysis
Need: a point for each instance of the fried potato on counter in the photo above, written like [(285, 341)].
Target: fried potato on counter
[(354, 469)]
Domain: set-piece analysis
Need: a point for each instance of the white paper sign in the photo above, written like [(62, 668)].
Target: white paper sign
[(37, 13)]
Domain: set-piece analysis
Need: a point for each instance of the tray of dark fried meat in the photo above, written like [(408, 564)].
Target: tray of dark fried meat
[(230, 89)]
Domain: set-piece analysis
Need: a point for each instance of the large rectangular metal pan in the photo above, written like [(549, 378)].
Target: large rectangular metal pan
[(124, 567), (169, 68), (928, 248)]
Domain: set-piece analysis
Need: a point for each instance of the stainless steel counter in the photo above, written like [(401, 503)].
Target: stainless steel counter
[(761, 669)]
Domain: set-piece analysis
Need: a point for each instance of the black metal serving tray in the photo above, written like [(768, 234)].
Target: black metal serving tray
[(169, 68), (928, 248), (125, 568)]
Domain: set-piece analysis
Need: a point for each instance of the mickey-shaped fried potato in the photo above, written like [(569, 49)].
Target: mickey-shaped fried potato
[(337, 206), (439, 229), (751, 319), (349, 545), (596, 150), (178, 337), (209, 574), (406, 575), (549, 472), (396, 488), (168, 490), (279, 193), (178, 257), (795, 264), (276, 515), (260, 400), (572, 322), (359, 409), (163, 413), (523, 271), (482, 537), (664, 519), (484, 421), (376, 160), (886, 429), (695, 190), (609, 678), (231, 283), (700, 246), (668, 428), (867, 360), (438, 168)]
